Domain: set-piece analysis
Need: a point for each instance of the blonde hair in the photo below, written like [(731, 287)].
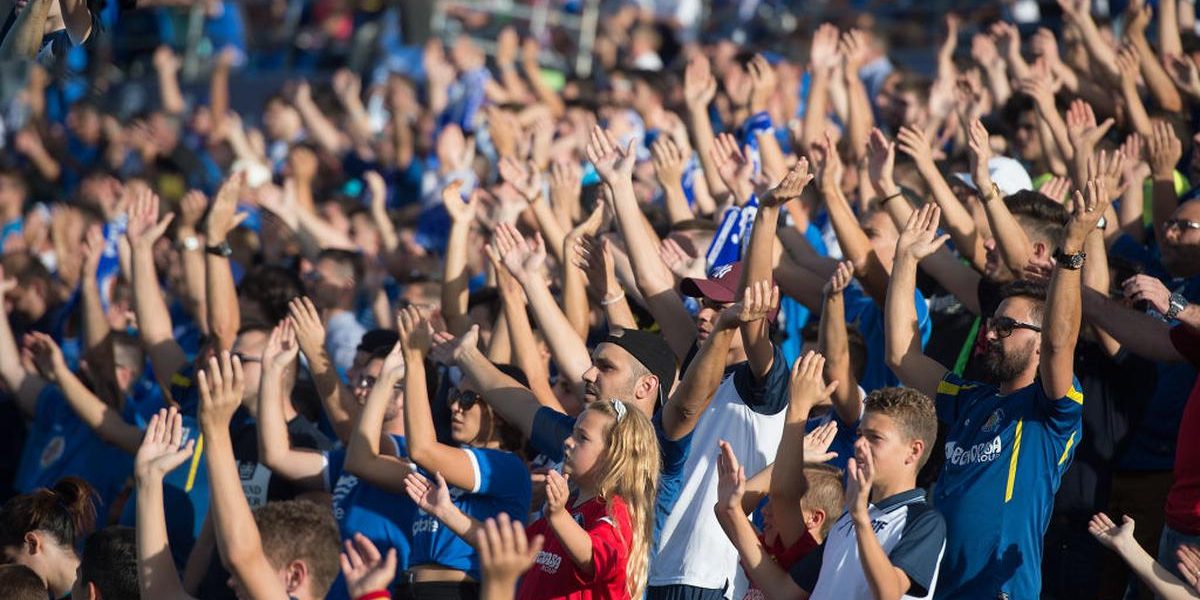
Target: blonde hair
[(629, 469), (824, 492)]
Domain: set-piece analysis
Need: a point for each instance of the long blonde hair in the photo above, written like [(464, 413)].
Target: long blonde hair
[(629, 468)]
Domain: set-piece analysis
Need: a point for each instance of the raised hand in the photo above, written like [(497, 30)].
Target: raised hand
[(679, 261), (1149, 288), (46, 355), (448, 350), (981, 153), (520, 257), (758, 300), (1056, 189), (1184, 74), (790, 187), (731, 479), (860, 476), (557, 492), (919, 237), (282, 349), (93, 250), (807, 388), (824, 51), (732, 165), (1109, 534), (566, 186), (763, 81), (1082, 127), (1127, 65), (162, 448), (984, 52), (915, 143), (144, 226), (881, 162), (459, 211), (843, 274), (364, 569), (852, 47), (1165, 151), (431, 497), (614, 164), (699, 85), (1189, 564), (523, 177), (307, 324), (191, 209), (817, 442), (828, 164), (221, 387), (347, 85), (223, 216), (1089, 208), (416, 335), (669, 161), (504, 551), (1106, 168)]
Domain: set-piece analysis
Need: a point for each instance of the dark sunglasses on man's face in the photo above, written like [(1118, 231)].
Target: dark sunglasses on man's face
[(1004, 326), (1182, 224), (246, 358), (465, 399)]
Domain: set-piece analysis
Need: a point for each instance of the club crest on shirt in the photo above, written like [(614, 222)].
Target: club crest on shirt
[(548, 561), (993, 421), (53, 451)]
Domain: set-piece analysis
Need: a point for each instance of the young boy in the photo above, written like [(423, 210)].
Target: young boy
[(890, 539), (814, 489)]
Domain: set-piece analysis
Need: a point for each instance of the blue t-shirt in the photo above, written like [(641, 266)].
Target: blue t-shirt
[(843, 440), (502, 485), (864, 313), (1005, 457), (359, 507), (60, 444), (551, 428)]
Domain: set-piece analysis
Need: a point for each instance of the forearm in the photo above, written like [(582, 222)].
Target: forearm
[(319, 127), (834, 343), (760, 352), (676, 202), (691, 397), (78, 20), (1058, 129), (759, 261), (455, 279), (1137, 331), (575, 299), (273, 441), (1061, 327), (1130, 213), (788, 484), (1157, 81), (526, 353), (1103, 57), (98, 416), (1135, 111), (237, 536), (701, 130), (194, 273), (567, 349), (323, 234), (900, 317), (881, 576), (1170, 43), (1014, 246), (514, 402), (856, 246), (387, 230), (861, 121), (157, 576), (618, 314), (45, 164), (575, 540), (955, 217), (25, 36), (550, 227), (816, 111), (997, 80), (1161, 581), (766, 574), (653, 276), (95, 324), (224, 315), (169, 92), (154, 322)]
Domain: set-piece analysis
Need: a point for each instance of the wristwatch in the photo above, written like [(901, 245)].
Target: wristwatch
[(190, 243), (1071, 262), (222, 249), (1177, 303)]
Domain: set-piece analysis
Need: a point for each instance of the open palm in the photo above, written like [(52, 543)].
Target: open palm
[(162, 448)]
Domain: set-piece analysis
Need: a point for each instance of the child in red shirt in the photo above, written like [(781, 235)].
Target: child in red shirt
[(597, 539)]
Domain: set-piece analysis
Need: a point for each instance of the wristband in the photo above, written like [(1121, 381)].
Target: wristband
[(886, 199), (613, 300), (375, 595)]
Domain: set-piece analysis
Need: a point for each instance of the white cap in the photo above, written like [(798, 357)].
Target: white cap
[(1006, 173)]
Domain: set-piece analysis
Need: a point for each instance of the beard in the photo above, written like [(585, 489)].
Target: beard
[(999, 367), (1181, 260)]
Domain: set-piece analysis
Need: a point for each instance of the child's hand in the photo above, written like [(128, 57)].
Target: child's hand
[(557, 492), (1189, 564), (364, 569), (1109, 534), (731, 480), (861, 470), (808, 388), (817, 441)]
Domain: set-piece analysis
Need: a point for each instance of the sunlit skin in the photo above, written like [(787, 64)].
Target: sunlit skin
[(1181, 246), (583, 449), (472, 425), (1022, 349), (612, 376), (896, 457)]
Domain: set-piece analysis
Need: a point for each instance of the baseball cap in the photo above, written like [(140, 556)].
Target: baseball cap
[(378, 342), (649, 349), (721, 286), (1006, 173)]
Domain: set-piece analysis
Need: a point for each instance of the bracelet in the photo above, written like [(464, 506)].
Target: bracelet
[(995, 193), (613, 300), (885, 200), (375, 595)]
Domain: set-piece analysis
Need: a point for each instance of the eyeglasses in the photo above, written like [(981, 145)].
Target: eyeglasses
[(246, 358), (1181, 224), (465, 399), (1004, 326)]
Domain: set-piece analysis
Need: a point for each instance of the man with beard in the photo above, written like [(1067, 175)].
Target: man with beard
[(1008, 441)]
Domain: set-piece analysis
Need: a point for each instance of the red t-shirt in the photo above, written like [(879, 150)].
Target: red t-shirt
[(554, 575), (784, 557), (1183, 501)]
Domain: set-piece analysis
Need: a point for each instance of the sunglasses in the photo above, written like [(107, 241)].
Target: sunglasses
[(465, 399), (1004, 326), (1181, 224), (246, 358)]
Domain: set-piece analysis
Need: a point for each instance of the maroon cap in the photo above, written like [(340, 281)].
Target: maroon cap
[(721, 286)]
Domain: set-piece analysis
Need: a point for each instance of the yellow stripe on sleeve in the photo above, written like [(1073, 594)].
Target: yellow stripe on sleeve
[(1075, 395), (1012, 463), (950, 389), (1067, 451)]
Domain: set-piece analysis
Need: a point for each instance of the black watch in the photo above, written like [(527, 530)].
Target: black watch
[(222, 249), (1072, 262)]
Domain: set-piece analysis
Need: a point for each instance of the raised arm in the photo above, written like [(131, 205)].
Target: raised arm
[(958, 221), (455, 277), (319, 127), (513, 401), (575, 300), (687, 404), (95, 325), (835, 346), (1102, 55), (788, 484), (884, 579), (1165, 151), (1135, 330), (451, 462), (1015, 247), (699, 89), (1135, 111), (224, 316), (166, 67), (653, 277), (339, 404), (24, 38), (1060, 327), (105, 420), (823, 59), (528, 182), (669, 163), (853, 48), (1138, 15), (191, 255), (162, 451), (275, 450), (596, 256), (902, 344), (1120, 540), (363, 456), (238, 540), (154, 322), (855, 244), (22, 384)]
